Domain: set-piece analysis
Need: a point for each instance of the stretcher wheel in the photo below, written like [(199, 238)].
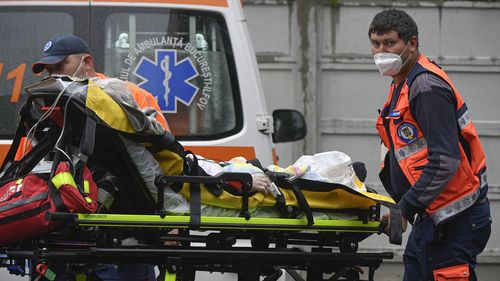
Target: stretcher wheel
[(260, 243), (273, 276), (348, 246), (220, 241), (110, 240), (353, 275), (188, 273)]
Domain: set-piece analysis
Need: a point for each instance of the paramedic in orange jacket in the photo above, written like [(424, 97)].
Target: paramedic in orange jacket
[(70, 55), (435, 167)]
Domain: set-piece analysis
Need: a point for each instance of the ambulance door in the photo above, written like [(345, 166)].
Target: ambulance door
[(184, 58), (25, 28)]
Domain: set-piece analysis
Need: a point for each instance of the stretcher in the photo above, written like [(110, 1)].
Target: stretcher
[(253, 247)]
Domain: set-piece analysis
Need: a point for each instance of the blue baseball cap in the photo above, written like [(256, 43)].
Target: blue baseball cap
[(58, 48)]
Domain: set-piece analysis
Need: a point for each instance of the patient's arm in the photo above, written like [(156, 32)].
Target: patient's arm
[(260, 183)]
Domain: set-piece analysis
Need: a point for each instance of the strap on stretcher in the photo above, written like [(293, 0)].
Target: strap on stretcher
[(299, 185), (195, 201)]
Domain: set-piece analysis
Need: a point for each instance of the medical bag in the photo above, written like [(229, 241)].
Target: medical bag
[(25, 201)]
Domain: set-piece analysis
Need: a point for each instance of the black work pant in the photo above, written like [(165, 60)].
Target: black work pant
[(456, 242)]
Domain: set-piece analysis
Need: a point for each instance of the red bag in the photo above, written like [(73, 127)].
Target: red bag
[(25, 201)]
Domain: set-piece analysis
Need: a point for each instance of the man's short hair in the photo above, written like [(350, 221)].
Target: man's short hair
[(393, 19)]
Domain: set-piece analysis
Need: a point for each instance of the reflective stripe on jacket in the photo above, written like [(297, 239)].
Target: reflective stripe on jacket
[(406, 139)]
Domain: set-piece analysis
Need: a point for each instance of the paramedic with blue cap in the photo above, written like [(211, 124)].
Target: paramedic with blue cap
[(435, 166), (69, 55)]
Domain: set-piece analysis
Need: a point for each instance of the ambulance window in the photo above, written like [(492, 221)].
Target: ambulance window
[(23, 34), (185, 60)]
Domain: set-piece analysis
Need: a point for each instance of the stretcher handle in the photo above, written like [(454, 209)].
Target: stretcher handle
[(396, 230), (60, 216)]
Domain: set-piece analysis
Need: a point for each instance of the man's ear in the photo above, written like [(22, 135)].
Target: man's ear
[(88, 61), (414, 43)]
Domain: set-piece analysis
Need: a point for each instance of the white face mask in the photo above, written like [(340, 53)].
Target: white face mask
[(389, 64), (76, 76)]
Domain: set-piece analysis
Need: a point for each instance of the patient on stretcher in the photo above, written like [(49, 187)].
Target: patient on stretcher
[(156, 153), (125, 116), (333, 167)]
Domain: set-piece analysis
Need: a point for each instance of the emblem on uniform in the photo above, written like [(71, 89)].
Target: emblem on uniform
[(47, 46), (407, 132)]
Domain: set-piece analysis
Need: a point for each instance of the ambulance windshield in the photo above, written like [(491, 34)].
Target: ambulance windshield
[(185, 60), (183, 57)]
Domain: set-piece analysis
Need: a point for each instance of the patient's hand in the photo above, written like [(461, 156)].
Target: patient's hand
[(260, 183)]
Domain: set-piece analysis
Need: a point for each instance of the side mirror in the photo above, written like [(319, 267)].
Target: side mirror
[(289, 125)]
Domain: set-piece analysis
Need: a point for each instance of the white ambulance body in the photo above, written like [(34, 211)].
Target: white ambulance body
[(194, 56)]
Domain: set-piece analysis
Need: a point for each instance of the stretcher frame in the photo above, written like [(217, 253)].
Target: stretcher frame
[(275, 243)]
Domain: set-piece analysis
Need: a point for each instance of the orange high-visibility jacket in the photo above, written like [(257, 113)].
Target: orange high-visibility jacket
[(410, 147)]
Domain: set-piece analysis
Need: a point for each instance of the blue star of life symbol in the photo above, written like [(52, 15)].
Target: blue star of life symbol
[(167, 79)]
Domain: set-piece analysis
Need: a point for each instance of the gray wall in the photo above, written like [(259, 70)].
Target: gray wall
[(314, 56)]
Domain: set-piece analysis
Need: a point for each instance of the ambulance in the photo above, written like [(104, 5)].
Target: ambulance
[(194, 56)]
